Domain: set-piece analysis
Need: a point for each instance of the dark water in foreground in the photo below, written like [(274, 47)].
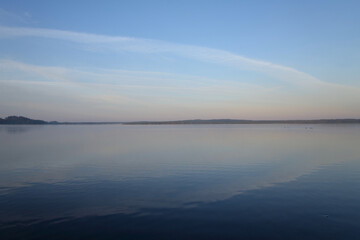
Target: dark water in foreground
[(180, 182)]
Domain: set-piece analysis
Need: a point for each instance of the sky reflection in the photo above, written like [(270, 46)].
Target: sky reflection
[(75, 171)]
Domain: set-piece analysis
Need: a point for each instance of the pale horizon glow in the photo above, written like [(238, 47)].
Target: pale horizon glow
[(65, 75)]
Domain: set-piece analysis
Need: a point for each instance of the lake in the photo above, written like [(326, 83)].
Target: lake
[(180, 182)]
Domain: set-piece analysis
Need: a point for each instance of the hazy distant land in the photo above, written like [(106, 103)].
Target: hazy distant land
[(18, 120), (237, 121)]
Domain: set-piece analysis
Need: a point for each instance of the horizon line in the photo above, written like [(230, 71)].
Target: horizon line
[(191, 121)]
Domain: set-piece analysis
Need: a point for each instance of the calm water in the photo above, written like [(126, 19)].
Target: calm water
[(180, 182)]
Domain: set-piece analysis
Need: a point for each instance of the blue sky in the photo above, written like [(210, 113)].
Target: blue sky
[(165, 60)]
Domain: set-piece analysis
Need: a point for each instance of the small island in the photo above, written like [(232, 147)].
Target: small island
[(16, 120)]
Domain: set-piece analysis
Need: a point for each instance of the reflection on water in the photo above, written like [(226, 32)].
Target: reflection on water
[(195, 176), (15, 129)]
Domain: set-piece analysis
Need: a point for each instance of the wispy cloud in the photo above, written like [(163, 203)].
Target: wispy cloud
[(148, 46), (137, 94), (128, 81)]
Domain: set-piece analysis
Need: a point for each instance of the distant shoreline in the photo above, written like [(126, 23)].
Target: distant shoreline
[(19, 120), (234, 121)]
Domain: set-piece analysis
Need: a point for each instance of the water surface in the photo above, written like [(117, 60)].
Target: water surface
[(180, 182)]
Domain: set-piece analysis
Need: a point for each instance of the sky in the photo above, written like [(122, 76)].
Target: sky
[(170, 60)]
